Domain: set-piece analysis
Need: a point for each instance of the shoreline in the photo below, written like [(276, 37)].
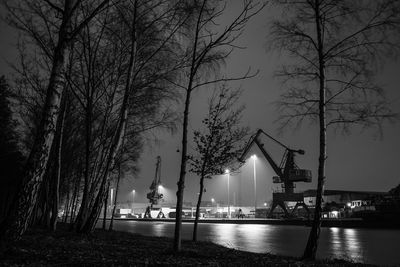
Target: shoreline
[(341, 223), (114, 248)]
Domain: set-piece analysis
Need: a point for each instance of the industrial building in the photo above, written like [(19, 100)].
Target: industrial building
[(342, 197)]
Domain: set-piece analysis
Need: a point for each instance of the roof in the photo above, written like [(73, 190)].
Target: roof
[(313, 192)]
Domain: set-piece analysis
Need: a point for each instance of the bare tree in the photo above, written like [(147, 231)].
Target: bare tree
[(220, 143), (119, 45), (24, 16), (146, 33), (207, 49), (57, 172), (337, 47)]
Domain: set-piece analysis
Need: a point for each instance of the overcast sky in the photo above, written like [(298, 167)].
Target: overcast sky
[(362, 161)]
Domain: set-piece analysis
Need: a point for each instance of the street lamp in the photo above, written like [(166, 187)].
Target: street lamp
[(111, 196), (133, 198), (254, 157), (229, 206), (111, 199), (212, 201)]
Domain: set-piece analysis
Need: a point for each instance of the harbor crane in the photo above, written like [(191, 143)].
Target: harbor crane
[(287, 174), (154, 196)]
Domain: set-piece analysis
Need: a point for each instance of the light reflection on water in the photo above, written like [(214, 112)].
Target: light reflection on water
[(345, 243), (374, 246)]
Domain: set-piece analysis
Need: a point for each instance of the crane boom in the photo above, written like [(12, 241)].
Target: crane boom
[(287, 173), (254, 140)]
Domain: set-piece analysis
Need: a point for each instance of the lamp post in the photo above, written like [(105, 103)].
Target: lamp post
[(133, 197), (254, 157), (111, 197), (229, 206)]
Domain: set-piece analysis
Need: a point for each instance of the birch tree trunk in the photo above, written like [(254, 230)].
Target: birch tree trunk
[(312, 243), (181, 182), (115, 199), (56, 183), (67, 204), (17, 221), (105, 207), (182, 173), (196, 220), (119, 134), (21, 211), (84, 209)]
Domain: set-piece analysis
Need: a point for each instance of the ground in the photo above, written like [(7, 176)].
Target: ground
[(40, 247)]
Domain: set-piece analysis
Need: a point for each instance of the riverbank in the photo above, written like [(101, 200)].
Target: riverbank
[(345, 222), (40, 247)]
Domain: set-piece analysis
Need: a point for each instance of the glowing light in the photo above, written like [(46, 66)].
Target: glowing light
[(229, 204), (160, 187), (212, 200), (254, 157), (265, 204), (133, 196), (348, 204), (335, 214)]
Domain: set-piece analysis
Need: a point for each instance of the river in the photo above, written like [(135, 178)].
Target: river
[(375, 246)]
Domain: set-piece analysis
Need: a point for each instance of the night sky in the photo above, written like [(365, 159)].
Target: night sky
[(362, 161)]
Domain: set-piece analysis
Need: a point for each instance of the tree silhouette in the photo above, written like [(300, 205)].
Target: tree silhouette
[(336, 47), (220, 142), (24, 15), (208, 48)]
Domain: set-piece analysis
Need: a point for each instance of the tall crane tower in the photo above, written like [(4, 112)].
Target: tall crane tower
[(154, 196), (287, 173)]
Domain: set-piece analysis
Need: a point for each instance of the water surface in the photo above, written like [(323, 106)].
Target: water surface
[(374, 246)]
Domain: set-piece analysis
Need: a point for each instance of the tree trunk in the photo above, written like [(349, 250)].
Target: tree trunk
[(56, 183), (115, 199), (35, 168), (118, 137), (67, 204), (84, 209), (182, 173), (196, 220), (105, 207), (312, 243), (48, 199), (41, 214), (181, 182), (75, 199), (115, 146)]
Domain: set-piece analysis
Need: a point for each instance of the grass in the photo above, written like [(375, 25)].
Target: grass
[(39, 247)]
